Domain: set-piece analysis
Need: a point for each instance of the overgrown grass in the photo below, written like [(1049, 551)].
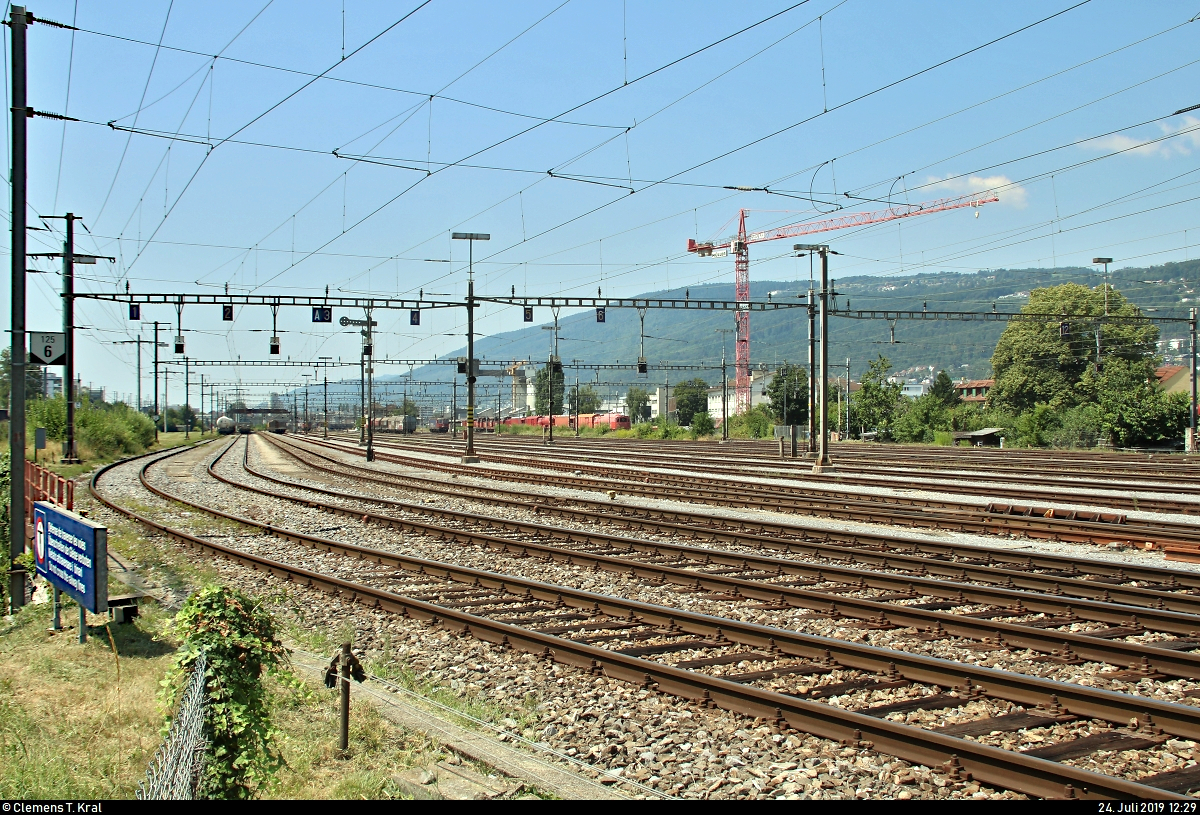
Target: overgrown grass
[(307, 714), (70, 730), (68, 727), (49, 458), (472, 704)]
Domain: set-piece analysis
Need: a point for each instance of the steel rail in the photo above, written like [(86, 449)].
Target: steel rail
[(1058, 586), (870, 476), (786, 532), (863, 508), (786, 469), (1087, 463), (1062, 644), (966, 759), (954, 512)]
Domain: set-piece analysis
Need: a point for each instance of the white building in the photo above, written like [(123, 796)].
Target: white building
[(51, 384), (915, 389)]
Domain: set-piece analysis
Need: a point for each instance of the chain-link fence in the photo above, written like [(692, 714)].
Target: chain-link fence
[(174, 774)]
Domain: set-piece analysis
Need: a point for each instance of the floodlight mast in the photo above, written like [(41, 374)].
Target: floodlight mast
[(739, 246)]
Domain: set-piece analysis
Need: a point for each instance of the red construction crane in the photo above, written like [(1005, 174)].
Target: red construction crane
[(739, 245)]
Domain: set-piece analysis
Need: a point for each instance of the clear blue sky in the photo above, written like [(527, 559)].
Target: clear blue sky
[(251, 193)]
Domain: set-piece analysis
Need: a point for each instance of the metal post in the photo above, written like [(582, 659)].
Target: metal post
[(56, 621), (550, 392), (454, 411), (724, 398), (187, 422), (362, 397), (326, 407), (823, 463), (166, 398), (156, 378), (812, 413), (82, 624), (469, 456), (1193, 423), (370, 392), (344, 688), (70, 453), (576, 403), (16, 425), (201, 404), (847, 433)]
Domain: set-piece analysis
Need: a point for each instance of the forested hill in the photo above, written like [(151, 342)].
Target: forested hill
[(961, 348)]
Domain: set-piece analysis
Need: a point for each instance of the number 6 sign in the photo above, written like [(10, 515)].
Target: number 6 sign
[(47, 348)]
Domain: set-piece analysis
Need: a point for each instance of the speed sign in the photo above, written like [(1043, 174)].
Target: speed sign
[(47, 348)]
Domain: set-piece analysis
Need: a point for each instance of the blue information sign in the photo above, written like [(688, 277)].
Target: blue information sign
[(72, 554)]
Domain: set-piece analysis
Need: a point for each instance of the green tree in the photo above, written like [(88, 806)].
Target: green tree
[(754, 423), (873, 406), (584, 399), (943, 389), (33, 378), (543, 399), (919, 419), (635, 402), (691, 397), (1134, 410), (789, 387), (1055, 363), (702, 425)]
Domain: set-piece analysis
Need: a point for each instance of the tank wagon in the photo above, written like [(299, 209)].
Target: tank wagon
[(225, 426)]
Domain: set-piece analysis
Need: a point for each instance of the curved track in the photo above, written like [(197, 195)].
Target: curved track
[(584, 629)]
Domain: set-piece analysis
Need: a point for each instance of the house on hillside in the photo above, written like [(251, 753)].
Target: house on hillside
[(973, 390), (1174, 379)]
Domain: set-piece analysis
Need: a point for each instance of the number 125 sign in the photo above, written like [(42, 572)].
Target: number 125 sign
[(47, 347)]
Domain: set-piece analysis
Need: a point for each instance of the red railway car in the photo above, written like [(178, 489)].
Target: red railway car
[(608, 421)]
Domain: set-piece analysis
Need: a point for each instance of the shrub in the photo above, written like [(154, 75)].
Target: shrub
[(702, 425), (105, 430), (240, 645)]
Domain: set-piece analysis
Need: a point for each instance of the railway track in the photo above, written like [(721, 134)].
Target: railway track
[(1060, 576), (715, 458), (1099, 528), (1025, 462), (634, 641), (941, 609)]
